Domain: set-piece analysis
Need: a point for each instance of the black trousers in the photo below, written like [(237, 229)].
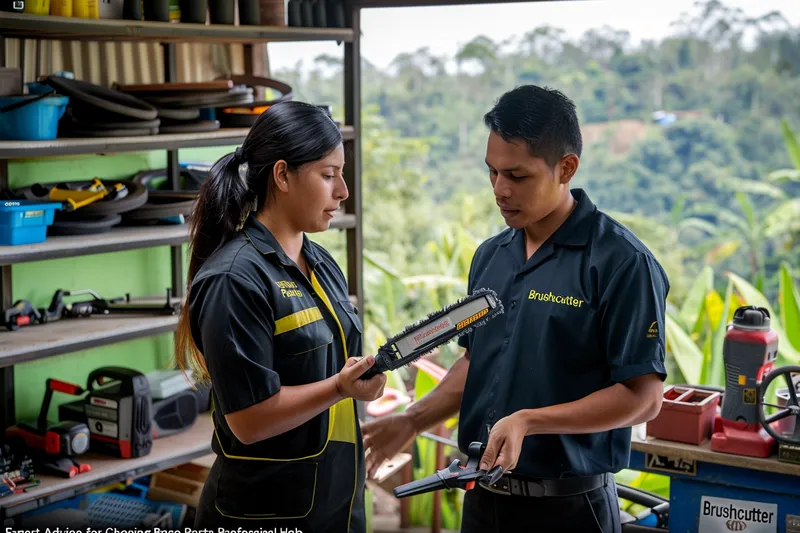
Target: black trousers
[(596, 511)]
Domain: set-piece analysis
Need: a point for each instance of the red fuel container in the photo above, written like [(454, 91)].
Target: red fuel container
[(687, 415)]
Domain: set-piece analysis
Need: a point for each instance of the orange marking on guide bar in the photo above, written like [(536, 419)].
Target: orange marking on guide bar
[(466, 322)]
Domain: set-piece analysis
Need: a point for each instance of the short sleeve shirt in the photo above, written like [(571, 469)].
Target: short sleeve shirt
[(585, 311), (260, 323)]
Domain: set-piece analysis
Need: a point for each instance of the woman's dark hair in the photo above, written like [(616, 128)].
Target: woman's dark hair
[(240, 183)]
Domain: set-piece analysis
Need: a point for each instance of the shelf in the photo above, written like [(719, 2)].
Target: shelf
[(116, 240), (38, 341), (166, 453), (75, 29), (99, 145)]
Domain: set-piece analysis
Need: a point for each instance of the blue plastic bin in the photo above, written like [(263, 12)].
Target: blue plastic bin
[(25, 221), (34, 122)]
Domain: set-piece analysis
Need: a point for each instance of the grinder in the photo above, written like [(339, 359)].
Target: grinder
[(749, 353)]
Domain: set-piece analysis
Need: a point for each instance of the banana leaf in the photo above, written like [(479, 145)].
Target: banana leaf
[(789, 301)]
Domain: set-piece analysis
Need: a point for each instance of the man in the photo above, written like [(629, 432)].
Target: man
[(554, 384)]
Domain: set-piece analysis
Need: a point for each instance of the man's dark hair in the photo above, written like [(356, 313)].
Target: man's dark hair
[(544, 118)]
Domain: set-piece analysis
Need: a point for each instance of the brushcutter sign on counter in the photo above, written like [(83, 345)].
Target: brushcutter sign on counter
[(723, 515)]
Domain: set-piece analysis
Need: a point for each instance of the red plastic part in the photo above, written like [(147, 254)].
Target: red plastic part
[(52, 443), (66, 388), (85, 468), (470, 485), (23, 320), (752, 336), (687, 415), (741, 438)]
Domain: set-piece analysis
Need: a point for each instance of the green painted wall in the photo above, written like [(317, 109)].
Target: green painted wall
[(138, 272)]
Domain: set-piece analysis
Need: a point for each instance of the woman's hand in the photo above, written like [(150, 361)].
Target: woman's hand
[(349, 382)]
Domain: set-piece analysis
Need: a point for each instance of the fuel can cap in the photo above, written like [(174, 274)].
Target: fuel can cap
[(751, 317)]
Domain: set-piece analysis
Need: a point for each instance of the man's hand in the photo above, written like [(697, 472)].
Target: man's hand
[(505, 444), (386, 436), (349, 382)]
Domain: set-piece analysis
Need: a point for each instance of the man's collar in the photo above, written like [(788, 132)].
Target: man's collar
[(266, 243), (576, 229)]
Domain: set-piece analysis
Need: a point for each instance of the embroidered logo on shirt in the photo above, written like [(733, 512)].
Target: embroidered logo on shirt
[(555, 298), (652, 331), (289, 289)]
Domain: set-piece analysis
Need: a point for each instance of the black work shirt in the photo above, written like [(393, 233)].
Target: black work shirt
[(585, 311), (261, 323)]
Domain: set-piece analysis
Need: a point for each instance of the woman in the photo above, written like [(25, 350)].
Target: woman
[(269, 320)]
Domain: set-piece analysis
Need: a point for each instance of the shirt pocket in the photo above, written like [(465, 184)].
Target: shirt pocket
[(302, 332), (352, 323)]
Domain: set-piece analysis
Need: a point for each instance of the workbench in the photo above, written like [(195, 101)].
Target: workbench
[(754, 495)]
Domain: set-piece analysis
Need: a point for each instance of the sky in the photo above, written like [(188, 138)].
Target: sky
[(387, 32)]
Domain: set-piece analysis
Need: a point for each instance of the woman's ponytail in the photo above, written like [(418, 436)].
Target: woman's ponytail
[(224, 202)]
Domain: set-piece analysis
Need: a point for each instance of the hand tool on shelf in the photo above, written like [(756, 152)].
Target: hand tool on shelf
[(436, 329), (22, 313), (455, 476)]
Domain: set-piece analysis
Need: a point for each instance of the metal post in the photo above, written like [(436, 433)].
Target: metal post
[(352, 174), (173, 173)]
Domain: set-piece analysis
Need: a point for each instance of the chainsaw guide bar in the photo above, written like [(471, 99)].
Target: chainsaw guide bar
[(437, 328)]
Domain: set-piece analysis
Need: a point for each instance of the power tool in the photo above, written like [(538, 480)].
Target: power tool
[(67, 438), (436, 329), (119, 416), (749, 352), (53, 446), (456, 476)]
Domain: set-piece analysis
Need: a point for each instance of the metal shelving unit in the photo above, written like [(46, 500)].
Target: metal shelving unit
[(42, 341)]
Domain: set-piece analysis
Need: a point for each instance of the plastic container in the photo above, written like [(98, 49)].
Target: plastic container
[(37, 121), (687, 415), (25, 221)]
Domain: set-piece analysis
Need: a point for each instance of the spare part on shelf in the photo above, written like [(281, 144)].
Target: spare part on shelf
[(93, 197), (190, 126), (162, 206), (102, 98), (22, 313), (100, 306), (83, 225), (244, 116), (72, 195), (119, 416), (156, 182), (16, 470), (51, 440)]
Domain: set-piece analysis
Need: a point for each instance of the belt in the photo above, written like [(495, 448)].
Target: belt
[(509, 485)]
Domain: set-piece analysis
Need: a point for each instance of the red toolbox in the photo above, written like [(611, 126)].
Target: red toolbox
[(687, 415)]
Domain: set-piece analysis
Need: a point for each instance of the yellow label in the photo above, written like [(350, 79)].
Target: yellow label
[(742, 379), (466, 322), (555, 298), (749, 396)]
